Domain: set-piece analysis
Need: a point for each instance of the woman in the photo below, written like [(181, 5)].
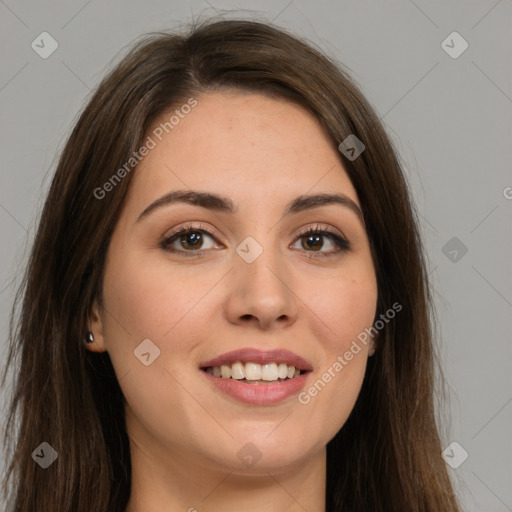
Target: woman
[(226, 303)]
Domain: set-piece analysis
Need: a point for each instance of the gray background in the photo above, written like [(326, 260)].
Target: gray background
[(449, 118)]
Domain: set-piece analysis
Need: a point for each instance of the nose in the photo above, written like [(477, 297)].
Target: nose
[(261, 293)]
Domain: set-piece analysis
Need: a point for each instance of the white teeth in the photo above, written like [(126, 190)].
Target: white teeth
[(269, 371), (225, 371), (283, 371), (237, 371), (254, 372)]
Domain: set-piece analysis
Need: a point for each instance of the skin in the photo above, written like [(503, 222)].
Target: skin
[(185, 434)]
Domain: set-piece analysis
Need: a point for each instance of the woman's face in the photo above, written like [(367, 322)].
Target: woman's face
[(245, 285)]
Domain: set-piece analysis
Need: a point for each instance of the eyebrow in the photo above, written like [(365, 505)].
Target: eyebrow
[(225, 205)]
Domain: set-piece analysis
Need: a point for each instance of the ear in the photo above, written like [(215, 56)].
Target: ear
[(96, 327)]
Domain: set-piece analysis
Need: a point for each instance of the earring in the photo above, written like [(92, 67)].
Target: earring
[(89, 338)]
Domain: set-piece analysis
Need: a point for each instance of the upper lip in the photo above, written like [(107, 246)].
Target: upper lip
[(254, 355)]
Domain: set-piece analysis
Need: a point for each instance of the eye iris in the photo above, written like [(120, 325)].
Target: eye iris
[(191, 240), (311, 240)]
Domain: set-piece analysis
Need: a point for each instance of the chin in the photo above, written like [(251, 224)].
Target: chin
[(260, 453)]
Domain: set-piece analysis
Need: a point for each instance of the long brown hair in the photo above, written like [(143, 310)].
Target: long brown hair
[(386, 457)]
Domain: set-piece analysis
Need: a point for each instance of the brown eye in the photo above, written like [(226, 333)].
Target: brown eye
[(313, 241), (188, 240), (191, 240)]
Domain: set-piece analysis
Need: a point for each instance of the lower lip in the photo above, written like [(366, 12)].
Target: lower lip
[(259, 394)]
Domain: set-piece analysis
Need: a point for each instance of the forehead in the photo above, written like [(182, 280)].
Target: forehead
[(252, 148)]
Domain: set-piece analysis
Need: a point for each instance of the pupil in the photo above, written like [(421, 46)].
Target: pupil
[(312, 240), (191, 239)]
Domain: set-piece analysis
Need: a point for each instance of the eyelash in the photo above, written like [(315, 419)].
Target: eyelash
[(342, 244)]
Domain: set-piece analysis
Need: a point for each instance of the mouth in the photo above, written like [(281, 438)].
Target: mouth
[(254, 373), (258, 377)]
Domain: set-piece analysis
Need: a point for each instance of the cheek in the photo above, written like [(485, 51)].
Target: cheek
[(148, 299), (347, 305), (145, 300), (347, 308)]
